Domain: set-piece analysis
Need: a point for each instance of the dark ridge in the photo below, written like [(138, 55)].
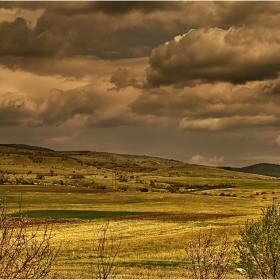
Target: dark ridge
[(267, 169), (26, 147)]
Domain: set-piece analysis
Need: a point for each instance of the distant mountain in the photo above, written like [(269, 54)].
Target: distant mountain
[(267, 169), (26, 147)]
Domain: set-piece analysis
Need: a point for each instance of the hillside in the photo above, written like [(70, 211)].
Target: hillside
[(101, 171), (25, 147), (17, 154), (266, 169)]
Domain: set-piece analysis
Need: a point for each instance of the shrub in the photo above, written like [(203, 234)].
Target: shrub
[(107, 249), (207, 259), (259, 246), (24, 253)]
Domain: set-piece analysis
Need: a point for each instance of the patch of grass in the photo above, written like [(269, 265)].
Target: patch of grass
[(75, 214)]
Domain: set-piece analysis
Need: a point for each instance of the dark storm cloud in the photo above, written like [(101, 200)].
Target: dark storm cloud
[(53, 35), (51, 46), (63, 38), (72, 8), (237, 55), (82, 35), (115, 30), (231, 13), (129, 29), (219, 12), (17, 39)]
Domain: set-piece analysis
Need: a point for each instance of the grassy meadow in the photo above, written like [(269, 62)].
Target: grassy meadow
[(153, 205)]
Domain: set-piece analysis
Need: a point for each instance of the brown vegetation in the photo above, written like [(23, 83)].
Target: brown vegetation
[(175, 217)]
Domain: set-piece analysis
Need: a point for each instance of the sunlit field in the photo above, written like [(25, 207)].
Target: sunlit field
[(153, 209), (154, 227)]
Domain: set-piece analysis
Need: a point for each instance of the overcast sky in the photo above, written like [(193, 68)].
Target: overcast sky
[(193, 81)]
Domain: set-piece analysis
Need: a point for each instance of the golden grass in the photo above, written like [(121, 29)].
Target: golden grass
[(149, 248)]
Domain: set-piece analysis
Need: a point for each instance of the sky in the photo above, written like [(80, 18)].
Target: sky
[(192, 81)]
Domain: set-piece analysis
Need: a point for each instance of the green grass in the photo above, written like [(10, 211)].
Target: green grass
[(75, 214)]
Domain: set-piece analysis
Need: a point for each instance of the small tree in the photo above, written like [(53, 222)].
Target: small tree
[(259, 246), (24, 253), (107, 249), (209, 256)]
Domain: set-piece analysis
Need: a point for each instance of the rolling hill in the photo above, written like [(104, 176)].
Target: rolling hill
[(266, 169), (17, 158), (25, 147)]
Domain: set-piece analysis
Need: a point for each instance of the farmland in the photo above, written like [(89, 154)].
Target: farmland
[(154, 205)]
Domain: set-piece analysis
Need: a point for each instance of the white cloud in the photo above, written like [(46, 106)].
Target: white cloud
[(214, 161), (196, 158), (226, 122)]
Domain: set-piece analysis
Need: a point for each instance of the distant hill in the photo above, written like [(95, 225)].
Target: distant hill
[(267, 169), (26, 147), (17, 154)]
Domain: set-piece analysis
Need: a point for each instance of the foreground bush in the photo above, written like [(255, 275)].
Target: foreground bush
[(24, 252), (259, 246), (209, 256)]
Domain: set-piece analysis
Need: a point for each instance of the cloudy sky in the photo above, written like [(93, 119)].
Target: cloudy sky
[(193, 81)]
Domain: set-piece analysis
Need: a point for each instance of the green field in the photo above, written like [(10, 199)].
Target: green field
[(75, 214), (155, 204)]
